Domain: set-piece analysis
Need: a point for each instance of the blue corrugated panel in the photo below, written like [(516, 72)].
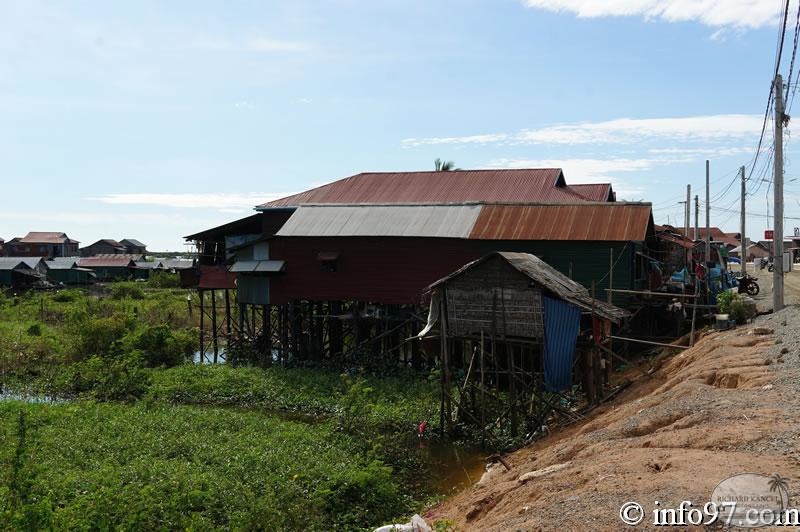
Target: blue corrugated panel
[(562, 323)]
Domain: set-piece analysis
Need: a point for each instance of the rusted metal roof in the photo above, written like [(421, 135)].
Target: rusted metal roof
[(457, 186), (38, 237), (549, 278), (110, 261), (613, 222), (440, 221), (594, 191)]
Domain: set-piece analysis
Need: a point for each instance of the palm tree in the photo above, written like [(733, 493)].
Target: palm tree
[(444, 166), (779, 484)]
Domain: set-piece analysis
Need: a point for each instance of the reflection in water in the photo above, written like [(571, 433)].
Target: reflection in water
[(452, 467)]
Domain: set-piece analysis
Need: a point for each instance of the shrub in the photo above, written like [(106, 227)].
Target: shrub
[(162, 346), (100, 336), (66, 296), (164, 280), (120, 378), (369, 491), (126, 290), (35, 329), (732, 303)]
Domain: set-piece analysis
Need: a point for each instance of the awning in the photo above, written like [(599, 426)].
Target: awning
[(258, 266)]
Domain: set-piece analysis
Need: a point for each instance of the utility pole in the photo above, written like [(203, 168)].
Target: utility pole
[(696, 215), (708, 212), (777, 275), (687, 219), (742, 238)]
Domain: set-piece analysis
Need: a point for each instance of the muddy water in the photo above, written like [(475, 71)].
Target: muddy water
[(451, 467)]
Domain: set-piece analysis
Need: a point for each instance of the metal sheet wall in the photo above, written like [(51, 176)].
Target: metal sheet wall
[(561, 328)]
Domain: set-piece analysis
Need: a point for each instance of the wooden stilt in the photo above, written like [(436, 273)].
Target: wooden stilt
[(214, 324)]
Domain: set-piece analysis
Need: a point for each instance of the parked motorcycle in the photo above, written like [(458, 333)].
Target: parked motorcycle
[(765, 262), (748, 285)]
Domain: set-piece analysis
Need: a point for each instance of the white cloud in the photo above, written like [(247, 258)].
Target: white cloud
[(618, 131), (714, 13), (222, 202), (590, 170)]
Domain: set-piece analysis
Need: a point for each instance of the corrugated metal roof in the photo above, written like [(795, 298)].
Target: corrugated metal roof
[(258, 266), (587, 221), (105, 262), (177, 264), (133, 242), (548, 278), (39, 237), (62, 263), (457, 186), (444, 221), (12, 263), (593, 191)]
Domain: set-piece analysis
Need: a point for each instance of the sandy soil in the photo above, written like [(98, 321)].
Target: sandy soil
[(729, 405)]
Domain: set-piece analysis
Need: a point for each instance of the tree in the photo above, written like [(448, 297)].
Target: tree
[(444, 166), (779, 484)]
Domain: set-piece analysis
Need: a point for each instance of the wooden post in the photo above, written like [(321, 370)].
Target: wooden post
[(483, 397), (266, 334), (214, 324), (227, 315), (446, 363), (202, 327)]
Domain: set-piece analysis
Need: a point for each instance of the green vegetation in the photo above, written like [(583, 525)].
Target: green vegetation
[(732, 303), (146, 467), (148, 440)]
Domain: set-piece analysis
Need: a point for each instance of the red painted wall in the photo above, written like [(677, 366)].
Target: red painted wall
[(376, 269)]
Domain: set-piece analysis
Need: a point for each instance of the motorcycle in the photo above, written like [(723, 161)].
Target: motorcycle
[(765, 262), (748, 285)]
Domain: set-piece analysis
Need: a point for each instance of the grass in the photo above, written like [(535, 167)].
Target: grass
[(151, 466), (394, 402), (148, 442)]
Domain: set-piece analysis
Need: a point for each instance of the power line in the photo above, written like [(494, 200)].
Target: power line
[(778, 54)]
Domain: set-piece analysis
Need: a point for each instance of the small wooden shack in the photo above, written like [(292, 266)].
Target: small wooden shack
[(511, 322)]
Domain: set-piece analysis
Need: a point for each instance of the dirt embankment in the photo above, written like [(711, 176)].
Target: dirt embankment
[(729, 405)]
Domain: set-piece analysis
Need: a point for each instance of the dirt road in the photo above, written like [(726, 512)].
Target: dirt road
[(791, 283), (729, 405)]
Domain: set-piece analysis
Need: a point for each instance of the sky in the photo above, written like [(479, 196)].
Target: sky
[(154, 120)]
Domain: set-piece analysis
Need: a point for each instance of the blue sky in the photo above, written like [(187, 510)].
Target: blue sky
[(152, 120)]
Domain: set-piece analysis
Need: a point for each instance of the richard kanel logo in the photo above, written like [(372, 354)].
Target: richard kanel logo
[(746, 500), (751, 500)]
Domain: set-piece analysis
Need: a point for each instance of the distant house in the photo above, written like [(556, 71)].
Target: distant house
[(109, 268), (17, 272), (41, 244), (104, 246), (754, 251), (65, 270), (133, 246)]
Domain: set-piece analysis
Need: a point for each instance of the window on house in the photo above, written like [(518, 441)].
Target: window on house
[(328, 260)]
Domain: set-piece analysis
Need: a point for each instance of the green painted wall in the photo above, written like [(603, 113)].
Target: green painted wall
[(588, 261)]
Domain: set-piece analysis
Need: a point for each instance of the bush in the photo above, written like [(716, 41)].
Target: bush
[(121, 378), (164, 280), (126, 291), (732, 303), (162, 346), (66, 296), (369, 491), (100, 336), (35, 329)]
